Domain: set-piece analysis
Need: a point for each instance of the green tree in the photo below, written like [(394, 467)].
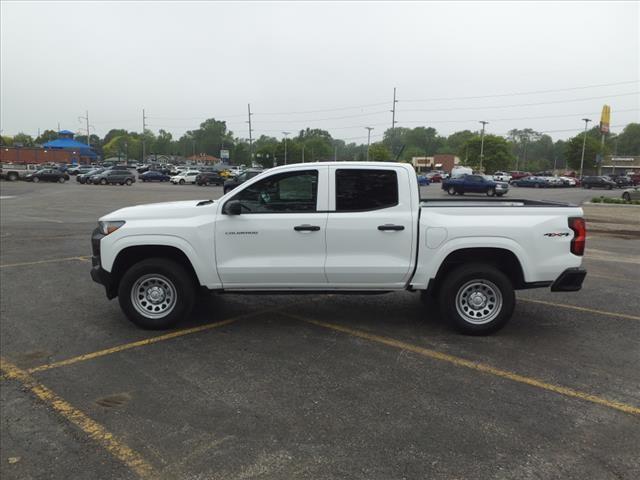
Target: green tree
[(628, 142), (46, 136), (455, 142), (379, 152), (22, 139), (6, 140), (497, 154), (573, 152)]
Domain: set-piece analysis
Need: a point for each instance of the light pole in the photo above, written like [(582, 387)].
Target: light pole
[(584, 144), (482, 143), (368, 140), (285, 146)]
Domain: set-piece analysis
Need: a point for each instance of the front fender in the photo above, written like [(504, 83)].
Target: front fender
[(203, 265)]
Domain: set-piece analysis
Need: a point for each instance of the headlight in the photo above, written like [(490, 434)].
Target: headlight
[(109, 227)]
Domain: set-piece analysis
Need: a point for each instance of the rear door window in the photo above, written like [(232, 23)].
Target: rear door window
[(365, 189)]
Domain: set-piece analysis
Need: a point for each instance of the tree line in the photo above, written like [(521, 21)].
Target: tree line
[(522, 149)]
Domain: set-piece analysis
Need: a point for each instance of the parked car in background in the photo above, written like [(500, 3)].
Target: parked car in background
[(423, 181), (209, 178), (84, 178), (188, 176), (434, 177), (46, 175), (153, 176), (16, 171), (113, 177), (598, 182), (475, 184), (460, 170), (240, 179), (530, 181), (553, 181), (631, 194), (621, 181), (516, 174), (501, 177), (568, 181)]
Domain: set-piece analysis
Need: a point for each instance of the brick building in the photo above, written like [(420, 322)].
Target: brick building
[(62, 150), (440, 161)]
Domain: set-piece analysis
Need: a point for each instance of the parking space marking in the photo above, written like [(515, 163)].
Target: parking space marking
[(480, 367), (581, 309), (611, 277), (93, 429), (140, 343), (39, 262)]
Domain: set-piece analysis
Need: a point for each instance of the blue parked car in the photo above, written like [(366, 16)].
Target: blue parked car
[(153, 176), (423, 181), (475, 184)]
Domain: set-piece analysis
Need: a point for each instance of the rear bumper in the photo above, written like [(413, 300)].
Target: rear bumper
[(570, 280)]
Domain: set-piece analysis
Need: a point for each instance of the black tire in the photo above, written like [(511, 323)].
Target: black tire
[(61, 180), (491, 192), (181, 181), (536, 185), (609, 187), (451, 191), (36, 179), (12, 177), (487, 278), (128, 182), (499, 194), (626, 197), (176, 274), (103, 181), (587, 186)]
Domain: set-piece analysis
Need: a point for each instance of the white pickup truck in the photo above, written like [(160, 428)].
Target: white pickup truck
[(16, 171), (338, 227)]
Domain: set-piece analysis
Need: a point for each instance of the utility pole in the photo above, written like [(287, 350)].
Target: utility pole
[(368, 140), (86, 118), (483, 122), (335, 153), (303, 147), (285, 146), (58, 127), (393, 111), (584, 144), (144, 127), (250, 137)]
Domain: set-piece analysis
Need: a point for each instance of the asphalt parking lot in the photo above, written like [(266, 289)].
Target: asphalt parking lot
[(327, 386)]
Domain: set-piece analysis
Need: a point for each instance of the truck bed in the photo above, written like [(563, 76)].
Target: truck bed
[(489, 202)]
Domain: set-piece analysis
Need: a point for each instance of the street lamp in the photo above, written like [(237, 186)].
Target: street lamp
[(584, 144), (285, 146), (368, 140), (482, 143)]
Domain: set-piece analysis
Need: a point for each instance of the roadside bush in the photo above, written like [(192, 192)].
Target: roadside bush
[(615, 201)]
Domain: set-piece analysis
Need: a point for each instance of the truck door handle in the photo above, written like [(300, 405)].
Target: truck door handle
[(388, 227), (306, 228)]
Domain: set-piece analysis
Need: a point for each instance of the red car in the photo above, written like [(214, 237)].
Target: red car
[(517, 175)]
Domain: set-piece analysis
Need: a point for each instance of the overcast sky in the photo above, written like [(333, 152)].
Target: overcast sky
[(184, 62)]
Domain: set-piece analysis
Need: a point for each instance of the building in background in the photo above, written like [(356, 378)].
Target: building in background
[(203, 159), (441, 161), (62, 150), (620, 164)]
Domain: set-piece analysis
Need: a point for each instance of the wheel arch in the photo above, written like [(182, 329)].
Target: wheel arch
[(502, 259), (131, 255)]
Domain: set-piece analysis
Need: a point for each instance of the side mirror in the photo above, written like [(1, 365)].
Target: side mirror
[(233, 207)]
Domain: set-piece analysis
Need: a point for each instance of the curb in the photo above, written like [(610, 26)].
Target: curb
[(609, 204)]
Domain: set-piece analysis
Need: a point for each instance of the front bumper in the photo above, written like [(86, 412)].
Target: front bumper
[(570, 280), (98, 274)]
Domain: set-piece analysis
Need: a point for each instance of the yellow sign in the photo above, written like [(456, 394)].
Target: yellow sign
[(605, 118)]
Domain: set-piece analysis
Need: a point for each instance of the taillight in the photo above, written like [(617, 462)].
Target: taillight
[(579, 227)]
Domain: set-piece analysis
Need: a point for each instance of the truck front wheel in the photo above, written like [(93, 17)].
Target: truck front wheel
[(451, 191), (156, 293), (477, 299)]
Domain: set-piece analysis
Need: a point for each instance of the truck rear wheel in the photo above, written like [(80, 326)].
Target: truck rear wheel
[(451, 191), (477, 299), (12, 177), (156, 293)]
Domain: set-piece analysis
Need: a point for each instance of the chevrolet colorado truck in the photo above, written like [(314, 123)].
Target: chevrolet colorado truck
[(340, 228)]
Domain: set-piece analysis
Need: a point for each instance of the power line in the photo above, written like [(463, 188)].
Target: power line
[(534, 92), (522, 104)]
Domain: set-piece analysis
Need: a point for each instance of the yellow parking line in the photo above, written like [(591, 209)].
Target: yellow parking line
[(581, 309), (38, 262), (94, 430), (461, 362), (128, 346)]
